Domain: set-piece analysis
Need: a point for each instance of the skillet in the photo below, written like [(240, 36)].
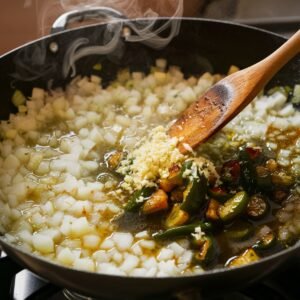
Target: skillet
[(201, 45)]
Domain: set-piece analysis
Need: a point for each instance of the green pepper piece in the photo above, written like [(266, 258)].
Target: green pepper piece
[(176, 217), (181, 230), (207, 252), (135, 202), (194, 195), (233, 207), (265, 242), (247, 257), (239, 230)]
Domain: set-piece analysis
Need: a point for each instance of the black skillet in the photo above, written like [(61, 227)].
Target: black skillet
[(201, 45)]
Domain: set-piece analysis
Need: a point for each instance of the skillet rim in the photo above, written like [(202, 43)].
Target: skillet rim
[(207, 273), (207, 20)]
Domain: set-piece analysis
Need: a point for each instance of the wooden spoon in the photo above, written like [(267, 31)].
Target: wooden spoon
[(228, 97)]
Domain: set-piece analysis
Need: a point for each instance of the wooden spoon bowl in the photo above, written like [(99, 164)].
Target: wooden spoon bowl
[(228, 97)]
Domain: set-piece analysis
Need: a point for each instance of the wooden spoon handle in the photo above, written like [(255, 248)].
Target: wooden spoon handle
[(228, 97)]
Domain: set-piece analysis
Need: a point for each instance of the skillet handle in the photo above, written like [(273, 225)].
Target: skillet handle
[(105, 14)]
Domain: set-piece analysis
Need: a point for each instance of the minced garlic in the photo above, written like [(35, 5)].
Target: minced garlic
[(150, 160)]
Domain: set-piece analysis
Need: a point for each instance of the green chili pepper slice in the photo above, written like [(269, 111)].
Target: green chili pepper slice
[(194, 195), (181, 230), (233, 207)]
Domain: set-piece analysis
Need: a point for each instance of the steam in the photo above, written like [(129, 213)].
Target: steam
[(70, 54), (74, 53), (142, 31), (32, 63)]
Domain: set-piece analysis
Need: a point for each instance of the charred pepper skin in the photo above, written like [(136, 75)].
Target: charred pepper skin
[(194, 195), (184, 230), (133, 203)]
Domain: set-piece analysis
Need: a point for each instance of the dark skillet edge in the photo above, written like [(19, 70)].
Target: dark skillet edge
[(288, 251), (57, 34), (292, 248)]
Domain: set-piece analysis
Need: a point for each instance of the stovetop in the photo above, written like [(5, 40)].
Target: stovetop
[(20, 284)]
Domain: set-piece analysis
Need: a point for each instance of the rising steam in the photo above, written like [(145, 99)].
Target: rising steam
[(142, 31)]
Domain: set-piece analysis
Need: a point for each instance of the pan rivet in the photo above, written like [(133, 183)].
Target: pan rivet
[(53, 47), (126, 32)]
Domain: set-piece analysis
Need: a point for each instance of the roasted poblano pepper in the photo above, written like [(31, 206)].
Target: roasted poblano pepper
[(194, 195), (233, 207), (180, 231), (138, 198), (248, 256), (207, 250), (176, 217)]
